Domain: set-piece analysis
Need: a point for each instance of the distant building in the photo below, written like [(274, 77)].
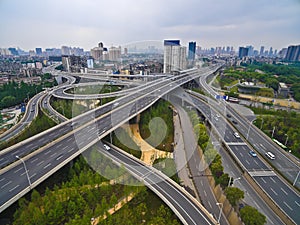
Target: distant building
[(262, 49), (293, 53), (74, 63), (90, 63), (174, 56), (38, 51), (243, 52), (283, 90), (13, 51), (192, 51), (114, 53), (250, 50)]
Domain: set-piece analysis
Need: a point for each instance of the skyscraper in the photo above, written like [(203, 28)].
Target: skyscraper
[(174, 56), (192, 51), (38, 51), (293, 53), (262, 49), (243, 52)]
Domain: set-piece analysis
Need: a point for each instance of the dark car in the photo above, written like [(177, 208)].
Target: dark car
[(228, 115), (234, 122)]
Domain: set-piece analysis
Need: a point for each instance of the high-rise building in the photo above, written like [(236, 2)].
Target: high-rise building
[(271, 52), (293, 53), (38, 51), (250, 50), (192, 51), (243, 52), (262, 49), (114, 53), (174, 56), (13, 51)]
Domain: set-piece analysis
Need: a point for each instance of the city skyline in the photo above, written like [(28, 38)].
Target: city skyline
[(31, 24)]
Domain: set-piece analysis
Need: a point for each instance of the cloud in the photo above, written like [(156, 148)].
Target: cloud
[(86, 22)]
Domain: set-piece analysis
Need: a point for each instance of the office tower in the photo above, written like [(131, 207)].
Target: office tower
[(125, 51), (38, 51), (243, 52), (65, 50), (293, 53), (174, 56), (271, 52), (192, 51), (262, 49), (250, 50)]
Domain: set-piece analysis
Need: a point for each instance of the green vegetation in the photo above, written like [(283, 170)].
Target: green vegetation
[(168, 167), (287, 126), (38, 125), (73, 108), (94, 89), (84, 194), (12, 93), (156, 126), (251, 216), (234, 194)]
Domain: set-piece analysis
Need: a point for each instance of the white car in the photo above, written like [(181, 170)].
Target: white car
[(106, 147), (236, 134)]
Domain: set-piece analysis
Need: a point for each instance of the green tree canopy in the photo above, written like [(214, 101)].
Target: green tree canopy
[(251, 216), (234, 194)]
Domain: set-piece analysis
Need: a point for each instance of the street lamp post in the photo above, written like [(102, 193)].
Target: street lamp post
[(234, 179), (249, 128), (286, 140), (221, 207), (26, 171), (273, 132), (262, 121)]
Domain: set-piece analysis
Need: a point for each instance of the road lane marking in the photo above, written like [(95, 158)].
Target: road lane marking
[(64, 148), (58, 146), (255, 162), (297, 203), (14, 188), (34, 160), (72, 149), (40, 163), (284, 191), (58, 158), (2, 179), (18, 170), (272, 180), (247, 162), (205, 193), (288, 206), (49, 164), (53, 154), (273, 191), (46, 153), (209, 204), (9, 182), (32, 175), (263, 180)]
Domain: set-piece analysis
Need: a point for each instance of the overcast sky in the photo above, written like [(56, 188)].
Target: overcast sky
[(52, 23)]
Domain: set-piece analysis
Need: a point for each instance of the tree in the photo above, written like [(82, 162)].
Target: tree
[(234, 194), (251, 216)]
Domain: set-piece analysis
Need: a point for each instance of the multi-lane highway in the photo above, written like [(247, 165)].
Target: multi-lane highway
[(71, 140), (285, 197)]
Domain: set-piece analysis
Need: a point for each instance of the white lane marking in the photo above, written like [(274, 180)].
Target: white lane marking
[(40, 163), (255, 162), (9, 182), (46, 153), (32, 175), (34, 160), (58, 158), (256, 204), (283, 191), (263, 180), (209, 204), (2, 179), (53, 154), (297, 203), (288, 206), (263, 146), (65, 147), (18, 170), (205, 193), (58, 146), (269, 220), (72, 149), (247, 162), (14, 188), (201, 182), (272, 180), (49, 164), (273, 191)]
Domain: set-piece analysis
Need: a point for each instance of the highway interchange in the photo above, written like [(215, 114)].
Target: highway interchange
[(67, 140)]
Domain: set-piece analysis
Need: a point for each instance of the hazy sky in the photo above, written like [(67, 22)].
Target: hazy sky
[(52, 23)]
